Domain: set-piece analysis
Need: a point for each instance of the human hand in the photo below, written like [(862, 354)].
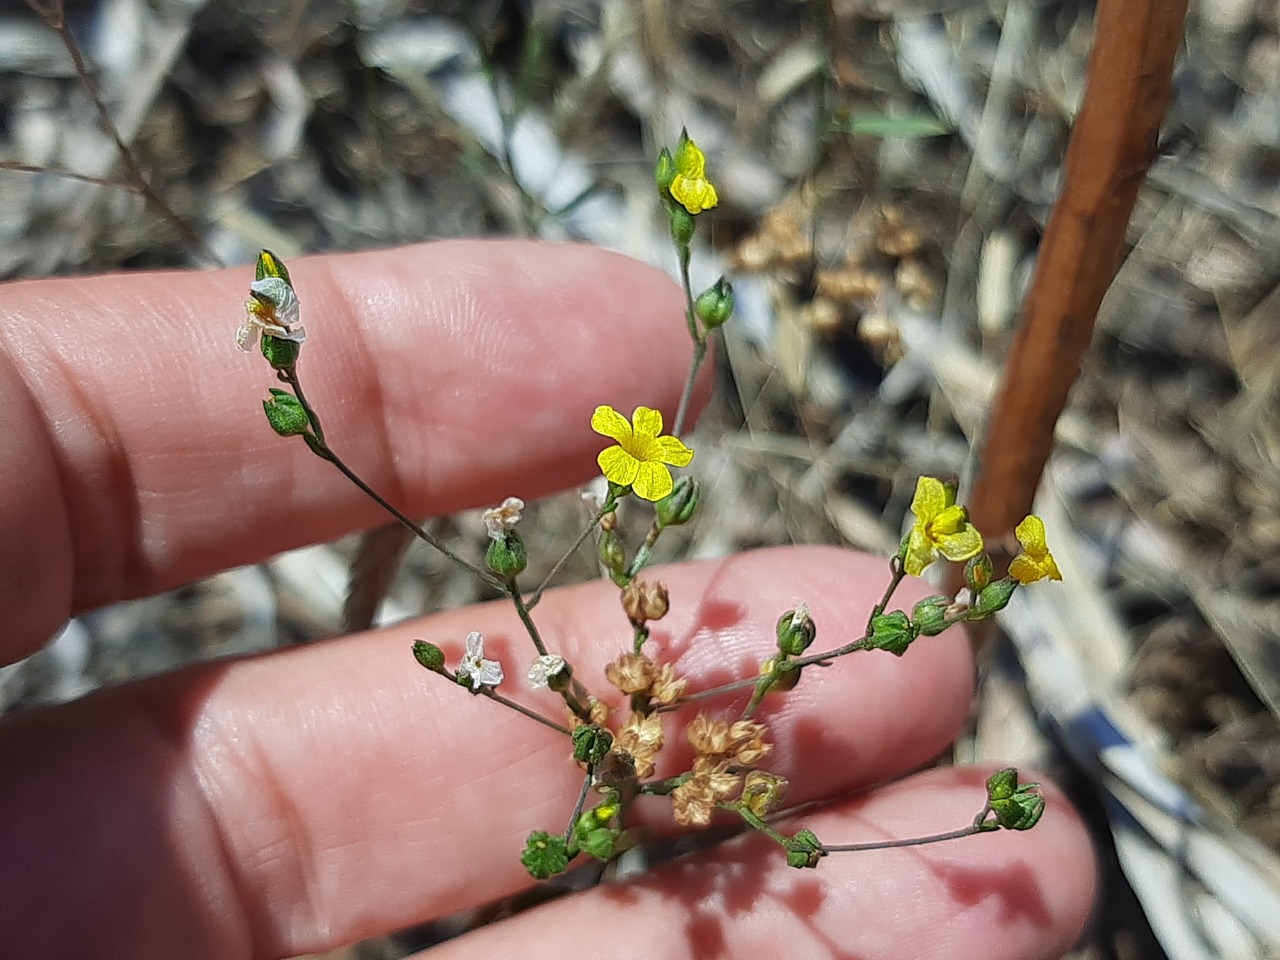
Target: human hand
[(297, 801)]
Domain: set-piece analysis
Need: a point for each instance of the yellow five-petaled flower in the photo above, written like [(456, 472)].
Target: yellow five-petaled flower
[(690, 187), (639, 459), (942, 527), (1035, 562)]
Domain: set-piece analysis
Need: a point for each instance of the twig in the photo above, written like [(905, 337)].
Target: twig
[(1111, 146)]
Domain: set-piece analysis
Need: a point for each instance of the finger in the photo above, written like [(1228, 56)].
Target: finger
[(306, 799), (448, 375), (1023, 896)]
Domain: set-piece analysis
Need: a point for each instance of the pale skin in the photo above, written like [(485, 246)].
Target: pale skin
[(295, 802)]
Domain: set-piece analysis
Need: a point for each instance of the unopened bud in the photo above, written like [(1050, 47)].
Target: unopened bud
[(978, 573), (796, 631), (930, 615), (507, 555), (715, 304), (678, 506), (763, 793)]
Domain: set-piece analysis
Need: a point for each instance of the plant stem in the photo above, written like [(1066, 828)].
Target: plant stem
[(321, 449), (522, 610), (699, 339), (968, 831), (582, 802), (559, 565)]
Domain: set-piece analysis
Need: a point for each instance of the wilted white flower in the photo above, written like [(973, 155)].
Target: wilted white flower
[(474, 667), (543, 669), (500, 520), (272, 309)]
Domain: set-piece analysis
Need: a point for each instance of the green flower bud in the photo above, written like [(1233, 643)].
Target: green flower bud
[(929, 616), (978, 573), (285, 413), (778, 674), (796, 631), (591, 743), (994, 598), (429, 655), (893, 632), (269, 265), (664, 172), (682, 225), (507, 555), (678, 506), (600, 843), (715, 304), (612, 554), (280, 353), (804, 850), (545, 855), (1016, 806)]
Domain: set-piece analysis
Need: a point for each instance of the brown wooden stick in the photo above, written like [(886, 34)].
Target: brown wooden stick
[(1111, 146)]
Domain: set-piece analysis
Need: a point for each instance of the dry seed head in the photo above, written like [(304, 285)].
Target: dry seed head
[(631, 673)]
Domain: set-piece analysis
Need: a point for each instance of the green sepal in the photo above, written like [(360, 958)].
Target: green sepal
[(280, 353), (1002, 784), (664, 172), (591, 743), (269, 265), (507, 555), (804, 850), (429, 655), (891, 631), (600, 843), (545, 855), (286, 414)]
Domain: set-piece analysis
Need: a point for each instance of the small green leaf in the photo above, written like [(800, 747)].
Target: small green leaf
[(910, 126)]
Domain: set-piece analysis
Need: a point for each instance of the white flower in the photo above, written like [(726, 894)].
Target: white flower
[(474, 667), (543, 669), (500, 520), (272, 309)]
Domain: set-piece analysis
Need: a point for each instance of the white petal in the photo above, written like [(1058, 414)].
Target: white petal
[(475, 645), (247, 336), (490, 674)]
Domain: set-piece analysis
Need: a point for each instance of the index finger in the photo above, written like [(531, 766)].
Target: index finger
[(448, 375)]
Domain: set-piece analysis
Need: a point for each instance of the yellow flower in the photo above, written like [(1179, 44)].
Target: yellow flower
[(1035, 562), (638, 460), (941, 527), (690, 187)]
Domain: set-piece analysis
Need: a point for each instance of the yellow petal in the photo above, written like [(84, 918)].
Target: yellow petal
[(610, 423), (671, 450), (1030, 533), (647, 422), (618, 466), (652, 482), (690, 160), (920, 553), (961, 546), (931, 498)]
